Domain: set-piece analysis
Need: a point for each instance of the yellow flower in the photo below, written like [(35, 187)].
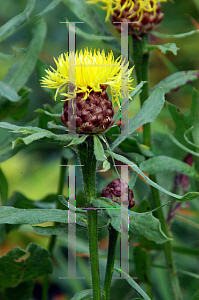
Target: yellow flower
[(112, 5), (86, 71)]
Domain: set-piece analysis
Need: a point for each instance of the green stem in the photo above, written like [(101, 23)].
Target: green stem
[(88, 162), (141, 58), (168, 249), (53, 238), (113, 235)]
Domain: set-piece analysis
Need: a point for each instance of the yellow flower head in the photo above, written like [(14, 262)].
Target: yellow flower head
[(86, 71), (112, 5)]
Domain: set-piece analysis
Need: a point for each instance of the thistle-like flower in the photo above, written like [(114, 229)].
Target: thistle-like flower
[(89, 74), (143, 15)]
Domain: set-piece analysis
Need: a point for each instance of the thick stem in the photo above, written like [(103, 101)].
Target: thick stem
[(113, 235), (88, 162), (141, 59)]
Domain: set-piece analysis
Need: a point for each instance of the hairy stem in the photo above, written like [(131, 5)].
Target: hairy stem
[(113, 235), (141, 59), (88, 162)]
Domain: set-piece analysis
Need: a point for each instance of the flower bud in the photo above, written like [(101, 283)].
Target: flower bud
[(115, 188)]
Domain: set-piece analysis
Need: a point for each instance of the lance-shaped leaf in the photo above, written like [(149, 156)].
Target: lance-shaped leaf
[(174, 81), (36, 133), (187, 197), (163, 163), (83, 295), (149, 111), (133, 284), (77, 140), (177, 143), (11, 215), (98, 149), (3, 187), (18, 265), (8, 28), (49, 7), (8, 92), (19, 73), (178, 36), (140, 224), (127, 102), (170, 47)]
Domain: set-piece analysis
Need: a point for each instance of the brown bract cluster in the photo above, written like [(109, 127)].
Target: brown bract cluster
[(93, 115), (136, 26), (118, 191)]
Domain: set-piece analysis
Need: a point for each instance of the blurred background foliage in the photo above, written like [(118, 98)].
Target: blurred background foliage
[(34, 170)]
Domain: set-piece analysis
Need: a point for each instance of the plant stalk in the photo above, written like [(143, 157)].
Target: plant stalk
[(141, 59), (113, 235), (88, 162)]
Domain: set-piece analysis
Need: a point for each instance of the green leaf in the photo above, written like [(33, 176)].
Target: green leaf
[(149, 111), (187, 197), (19, 266), (142, 264), (8, 28), (196, 296), (3, 188), (174, 81), (194, 117), (93, 37), (140, 224), (133, 284), (52, 125), (82, 295), (178, 36), (26, 65), (49, 7), (14, 110), (50, 230), (6, 56), (191, 274), (59, 229), (11, 215), (127, 102), (180, 145), (8, 92), (130, 144), (63, 201), (18, 200), (77, 140), (36, 134), (170, 47), (15, 293), (41, 111), (106, 166), (98, 149), (6, 150), (163, 163)]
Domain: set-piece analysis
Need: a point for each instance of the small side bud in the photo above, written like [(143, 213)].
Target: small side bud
[(113, 192)]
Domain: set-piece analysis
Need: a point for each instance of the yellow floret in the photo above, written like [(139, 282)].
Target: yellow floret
[(86, 71)]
